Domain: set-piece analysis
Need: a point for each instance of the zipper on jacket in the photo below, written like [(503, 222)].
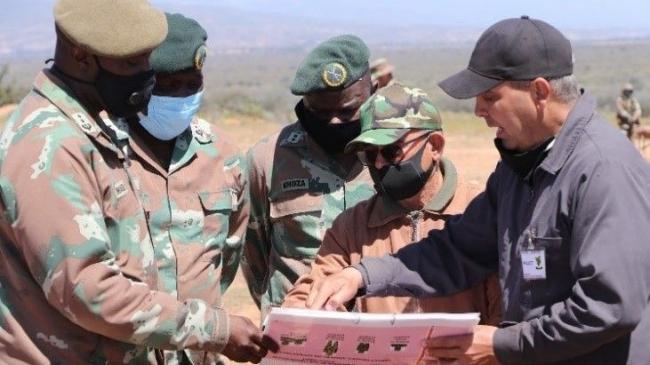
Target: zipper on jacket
[(415, 217)]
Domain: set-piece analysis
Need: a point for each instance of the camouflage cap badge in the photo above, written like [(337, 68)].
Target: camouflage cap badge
[(334, 74), (392, 112), (183, 49), (199, 57)]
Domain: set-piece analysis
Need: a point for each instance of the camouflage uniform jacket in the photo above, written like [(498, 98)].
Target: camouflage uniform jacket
[(380, 226), (120, 256), (296, 192), (628, 108)]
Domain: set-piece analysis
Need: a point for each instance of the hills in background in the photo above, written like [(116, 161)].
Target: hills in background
[(256, 45), (26, 26)]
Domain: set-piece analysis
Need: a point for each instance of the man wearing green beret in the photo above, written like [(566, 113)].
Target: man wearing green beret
[(301, 179), (92, 269), (211, 187)]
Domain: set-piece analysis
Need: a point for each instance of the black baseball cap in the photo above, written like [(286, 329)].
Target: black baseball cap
[(517, 49)]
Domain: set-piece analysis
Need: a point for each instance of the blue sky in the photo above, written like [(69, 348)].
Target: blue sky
[(567, 14)]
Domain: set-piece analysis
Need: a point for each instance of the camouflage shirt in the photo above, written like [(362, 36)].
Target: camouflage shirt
[(104, 254), (297, 190), (628, 108)]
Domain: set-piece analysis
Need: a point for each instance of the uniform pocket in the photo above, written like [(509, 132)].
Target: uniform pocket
[(216, 207), (297, 225), (556, 286), (303, 204), (551, 245)]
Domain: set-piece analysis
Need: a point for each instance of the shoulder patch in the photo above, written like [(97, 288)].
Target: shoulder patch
[(83, 123), (295, 137), (120, 189), (294, 184), (202, 131)]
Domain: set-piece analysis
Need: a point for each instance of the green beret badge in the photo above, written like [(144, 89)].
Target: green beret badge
[(199, 57), (335, 74)]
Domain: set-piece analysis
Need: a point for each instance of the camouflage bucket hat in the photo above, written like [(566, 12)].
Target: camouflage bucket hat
[(391, 113)]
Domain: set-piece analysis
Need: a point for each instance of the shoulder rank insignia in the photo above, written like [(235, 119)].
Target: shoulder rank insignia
[(335, 74)]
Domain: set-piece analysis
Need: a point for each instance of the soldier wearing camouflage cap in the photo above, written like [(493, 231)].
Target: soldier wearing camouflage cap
[(300, 178), (628, 110), (402, 144), (108, 255)]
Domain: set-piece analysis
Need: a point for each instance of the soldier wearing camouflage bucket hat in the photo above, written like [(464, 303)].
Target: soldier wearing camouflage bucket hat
[(402, 143), (301, 178), (108, 254)]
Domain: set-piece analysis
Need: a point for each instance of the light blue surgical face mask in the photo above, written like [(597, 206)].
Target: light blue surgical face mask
[(169, 116)]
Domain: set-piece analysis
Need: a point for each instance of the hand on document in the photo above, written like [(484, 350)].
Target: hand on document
[(335, 290), (471, 349), (246, 342)]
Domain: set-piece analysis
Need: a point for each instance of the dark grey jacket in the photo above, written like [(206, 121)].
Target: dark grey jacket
[(588, 206)]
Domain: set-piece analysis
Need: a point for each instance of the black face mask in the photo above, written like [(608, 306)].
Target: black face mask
[(523, 162), (331, 137), (124, 96), (403, 180)]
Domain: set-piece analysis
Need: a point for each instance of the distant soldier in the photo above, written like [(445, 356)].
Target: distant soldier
[(113, 243), (381, 73), (402, 144), (300, 178), (628, 110)]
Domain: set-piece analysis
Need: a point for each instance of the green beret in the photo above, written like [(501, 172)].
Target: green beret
[(392, 112), (334, 64), (115, 29), (183, 49)]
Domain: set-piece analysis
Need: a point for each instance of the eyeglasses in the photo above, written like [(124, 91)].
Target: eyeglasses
[(392, 153)]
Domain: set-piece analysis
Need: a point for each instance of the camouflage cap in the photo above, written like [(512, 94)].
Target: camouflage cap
[(183, 49), (333, 65), (115, 29), (628, 87), (391, 113)]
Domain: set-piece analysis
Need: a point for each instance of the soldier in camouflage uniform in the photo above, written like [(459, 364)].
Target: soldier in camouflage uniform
[(300, 178), (402, 144), (123, 259), (628, 110)]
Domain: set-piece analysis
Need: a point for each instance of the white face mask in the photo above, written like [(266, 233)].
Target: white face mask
[(170, 116)]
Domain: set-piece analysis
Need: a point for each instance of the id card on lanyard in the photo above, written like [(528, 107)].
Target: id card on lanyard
[(533, 260)]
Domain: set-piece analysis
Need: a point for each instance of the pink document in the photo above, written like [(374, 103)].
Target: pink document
[(322, 337)]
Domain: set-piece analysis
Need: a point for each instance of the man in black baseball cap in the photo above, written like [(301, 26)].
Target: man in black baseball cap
[(512, 50), (564, 219)]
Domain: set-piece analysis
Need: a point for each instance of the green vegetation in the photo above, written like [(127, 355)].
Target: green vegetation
[(255, 84)]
